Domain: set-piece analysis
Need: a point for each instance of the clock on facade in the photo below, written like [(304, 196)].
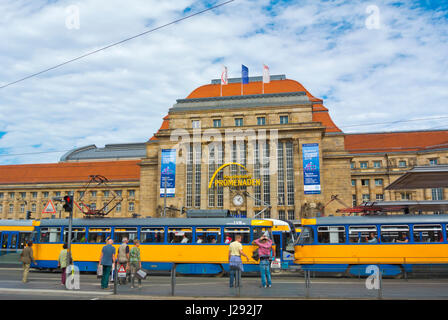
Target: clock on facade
[(238, 200)]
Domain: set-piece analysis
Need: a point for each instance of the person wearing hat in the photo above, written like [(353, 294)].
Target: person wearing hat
[(264, 249)]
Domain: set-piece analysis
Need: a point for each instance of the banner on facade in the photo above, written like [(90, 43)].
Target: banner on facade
[(168, 173), (311, 169)]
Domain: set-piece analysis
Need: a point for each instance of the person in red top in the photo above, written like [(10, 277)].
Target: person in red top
[(264, 250)]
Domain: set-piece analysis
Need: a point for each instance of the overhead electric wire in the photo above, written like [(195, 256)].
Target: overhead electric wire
[(114, 44)]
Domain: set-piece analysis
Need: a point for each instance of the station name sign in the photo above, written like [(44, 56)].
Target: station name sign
[(234, 180), (237, 181)]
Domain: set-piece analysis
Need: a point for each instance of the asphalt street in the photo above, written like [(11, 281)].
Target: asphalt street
[(46, 286)]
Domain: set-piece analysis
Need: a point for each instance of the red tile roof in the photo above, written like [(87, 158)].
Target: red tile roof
[(69, 172), (396, 141)]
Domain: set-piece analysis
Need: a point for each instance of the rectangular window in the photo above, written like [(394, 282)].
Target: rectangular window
[(33, 207), (395, 233), (131, 207), (121, 233), (377, 164), (22, 195), (189, 180), (365, 182), (379, 197), (331, 234), (93, 194), (11, 208), (433, 162), (231, 232), (352, 165), (306, 236), (366, 197), (437, 193), (291, 215), (153, 235), (289, 173), (261, 121), (363, 165), (34, 194), (22, 208), (378, 182), (197, 175), (98, 235), (283, 119), (363, 234), (11, 195), (211, 171), (106, 193), (46, 194), (428, 233), (1, 195), (216, 123), (402, 164), (180, 235), (131, 193), (50, 235), (406, 196), (118, 207), (239, 122), (1, 208), (281, 215), (78, 235), (208, 235), (280, 176), (353, 183), (195, 124), (354, 200)]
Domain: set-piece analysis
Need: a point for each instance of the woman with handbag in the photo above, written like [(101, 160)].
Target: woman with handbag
[(264, 249)]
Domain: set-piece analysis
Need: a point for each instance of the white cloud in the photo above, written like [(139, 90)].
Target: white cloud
[(119, 95)]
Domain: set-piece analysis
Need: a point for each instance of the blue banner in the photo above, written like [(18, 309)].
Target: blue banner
[(311, 170), (168, 173), (244, 74)]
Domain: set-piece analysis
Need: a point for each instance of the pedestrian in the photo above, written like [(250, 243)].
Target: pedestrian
[(27, 258), (264, 249), (123, 257), (235, 262), (135, 263), (63, 262), (107, 260)]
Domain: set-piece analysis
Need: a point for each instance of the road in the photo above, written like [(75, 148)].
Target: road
[(46, 286)]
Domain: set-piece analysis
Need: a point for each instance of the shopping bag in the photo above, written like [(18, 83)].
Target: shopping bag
[(141, 274), (276, 264), (99, 271)]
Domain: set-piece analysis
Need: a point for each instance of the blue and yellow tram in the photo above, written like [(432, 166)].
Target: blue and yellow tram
[(206, 251), (347, 245)]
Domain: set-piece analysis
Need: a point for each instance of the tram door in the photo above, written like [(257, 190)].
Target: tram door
[(9, 241)]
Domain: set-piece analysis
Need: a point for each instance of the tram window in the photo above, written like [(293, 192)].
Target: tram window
[(331, 234), (121, 233), (231, 232), (363, 234), (152, 235), (5, 241), (395, 234), (208, 235), (180, 235), (98, 235), (24, 237), (78, 235), (258, 232), (428, 233), (306, 236), (50, 235)]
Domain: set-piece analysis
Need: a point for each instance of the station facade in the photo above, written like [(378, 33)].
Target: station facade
[(268, 150)]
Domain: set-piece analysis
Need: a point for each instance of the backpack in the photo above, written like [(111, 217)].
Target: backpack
[(256, 255)]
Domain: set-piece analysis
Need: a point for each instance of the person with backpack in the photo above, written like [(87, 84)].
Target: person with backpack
[(135, 263), (123, 258)]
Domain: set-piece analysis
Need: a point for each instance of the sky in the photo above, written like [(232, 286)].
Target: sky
[(377, 65)]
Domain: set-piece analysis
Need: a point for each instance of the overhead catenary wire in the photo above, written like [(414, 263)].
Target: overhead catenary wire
[(114, 44)]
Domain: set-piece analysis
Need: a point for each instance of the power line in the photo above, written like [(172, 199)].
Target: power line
[(114, 44)]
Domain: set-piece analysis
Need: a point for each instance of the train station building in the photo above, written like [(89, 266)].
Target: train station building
[(270, 150)]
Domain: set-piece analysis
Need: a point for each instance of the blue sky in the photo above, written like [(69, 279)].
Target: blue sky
[(373, 62)]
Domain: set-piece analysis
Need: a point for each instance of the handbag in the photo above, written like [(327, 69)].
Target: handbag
[(141, 274)]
